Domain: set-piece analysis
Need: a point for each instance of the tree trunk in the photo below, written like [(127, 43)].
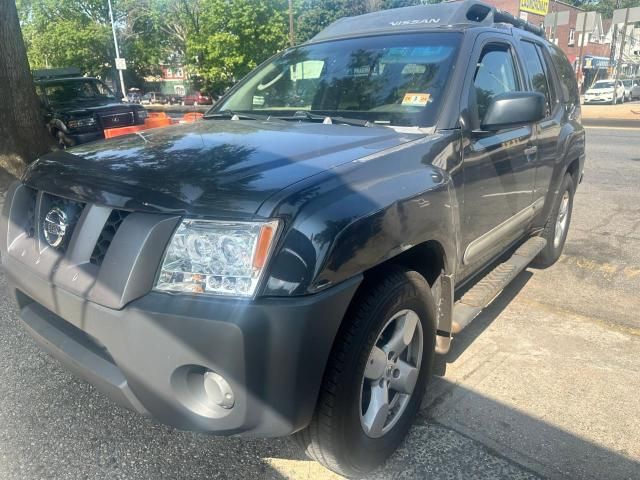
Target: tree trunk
[(23, 136)]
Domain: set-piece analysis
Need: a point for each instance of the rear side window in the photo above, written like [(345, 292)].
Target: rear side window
[(568, 84), (495, 74), (536, 73)]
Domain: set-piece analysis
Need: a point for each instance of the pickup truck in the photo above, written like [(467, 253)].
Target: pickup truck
[(291, 264)]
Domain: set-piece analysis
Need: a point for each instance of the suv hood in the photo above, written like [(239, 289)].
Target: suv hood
[(213, 167)]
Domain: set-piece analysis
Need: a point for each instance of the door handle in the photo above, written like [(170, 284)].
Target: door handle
[(530, 152)]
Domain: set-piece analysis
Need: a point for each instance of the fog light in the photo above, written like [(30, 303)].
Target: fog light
[(218, 390)]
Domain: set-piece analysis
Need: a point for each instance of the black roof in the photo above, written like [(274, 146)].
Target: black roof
[(460, 14), (62, 79)]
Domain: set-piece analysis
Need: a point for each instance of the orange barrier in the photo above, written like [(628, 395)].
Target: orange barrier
[(116, 132), (155, 120), (192, 117)]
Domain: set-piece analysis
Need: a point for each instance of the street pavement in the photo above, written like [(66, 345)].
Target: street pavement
[(543, 384)]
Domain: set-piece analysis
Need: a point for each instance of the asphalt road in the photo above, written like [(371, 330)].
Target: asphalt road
[(543, 384)]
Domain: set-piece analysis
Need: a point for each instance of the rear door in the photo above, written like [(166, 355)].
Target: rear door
[(539, 79), (499, 174)]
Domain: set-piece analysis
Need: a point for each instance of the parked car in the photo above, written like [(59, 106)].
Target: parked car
[(628, 87), (78, 109), (175, 99), (197, 99), (134, 95), (153, 98), (635, 91), (292, 263), (603, 92)]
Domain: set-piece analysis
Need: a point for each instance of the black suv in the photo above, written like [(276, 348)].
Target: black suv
[(292, 263), (78, 109)]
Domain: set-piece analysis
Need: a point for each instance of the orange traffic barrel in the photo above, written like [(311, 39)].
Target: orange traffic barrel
[(192, 117)]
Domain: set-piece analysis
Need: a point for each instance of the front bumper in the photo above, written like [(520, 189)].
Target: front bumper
[(598, 100), (80, 138), (150, 355)]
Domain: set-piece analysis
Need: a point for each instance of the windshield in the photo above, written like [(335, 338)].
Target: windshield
[(392, 80), (603, 85), (76, 90), (626, 83)]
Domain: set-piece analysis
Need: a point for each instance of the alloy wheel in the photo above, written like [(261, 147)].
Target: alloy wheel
[(391, 373), (561, 220)]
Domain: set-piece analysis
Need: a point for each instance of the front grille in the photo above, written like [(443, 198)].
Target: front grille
[(106, 236), (117, 120), (93, 234), (33, 222)]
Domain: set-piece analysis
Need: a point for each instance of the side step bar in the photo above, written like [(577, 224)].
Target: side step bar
[(487, 289)]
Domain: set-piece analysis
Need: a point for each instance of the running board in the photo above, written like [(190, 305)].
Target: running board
[(487, 289)]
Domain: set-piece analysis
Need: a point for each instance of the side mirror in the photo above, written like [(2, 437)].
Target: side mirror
[(514, 109)]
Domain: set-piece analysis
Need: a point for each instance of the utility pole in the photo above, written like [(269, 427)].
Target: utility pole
[(614, 40), (115, 43), (619, 63), (555, 22), (292, 34), (584, 33)]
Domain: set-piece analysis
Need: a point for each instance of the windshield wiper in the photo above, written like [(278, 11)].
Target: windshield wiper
[(237, 115), (328, 119)]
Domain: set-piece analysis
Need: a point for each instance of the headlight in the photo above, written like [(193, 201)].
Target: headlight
[(81, 122), (216, 257)]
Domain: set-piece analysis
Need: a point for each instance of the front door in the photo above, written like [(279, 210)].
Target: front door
[(499, 166)]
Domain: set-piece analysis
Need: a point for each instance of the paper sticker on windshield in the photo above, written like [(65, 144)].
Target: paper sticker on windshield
[(416, 99), (258, 100)]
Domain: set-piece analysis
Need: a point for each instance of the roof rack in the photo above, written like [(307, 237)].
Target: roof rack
[(51, 73), (468, 13)]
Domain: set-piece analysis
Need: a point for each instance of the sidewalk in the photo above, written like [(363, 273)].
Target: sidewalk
[(625, 111)]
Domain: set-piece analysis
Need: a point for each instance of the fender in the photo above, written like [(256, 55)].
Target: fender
[(363, 213), (571, 146)]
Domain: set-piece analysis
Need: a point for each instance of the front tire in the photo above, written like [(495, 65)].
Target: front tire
[(376, 375), (557, 226)]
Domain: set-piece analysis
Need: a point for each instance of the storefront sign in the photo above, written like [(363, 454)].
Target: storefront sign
[(539, 7)]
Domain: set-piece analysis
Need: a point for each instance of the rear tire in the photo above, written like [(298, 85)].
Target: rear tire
[(349, 434), (557, 226)]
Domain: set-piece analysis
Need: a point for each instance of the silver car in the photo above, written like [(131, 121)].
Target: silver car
[(635, 90), (628, 86)]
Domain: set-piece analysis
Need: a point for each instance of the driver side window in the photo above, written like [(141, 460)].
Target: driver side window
[(495, 74)]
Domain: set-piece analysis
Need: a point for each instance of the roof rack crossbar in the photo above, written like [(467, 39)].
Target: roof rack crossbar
[(500, 16)]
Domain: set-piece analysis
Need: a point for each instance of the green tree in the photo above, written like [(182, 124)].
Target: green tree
[(232, 38), (63, 33), (314, 15)]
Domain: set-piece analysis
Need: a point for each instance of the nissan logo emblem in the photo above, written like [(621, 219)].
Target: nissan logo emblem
[(55, 227)]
